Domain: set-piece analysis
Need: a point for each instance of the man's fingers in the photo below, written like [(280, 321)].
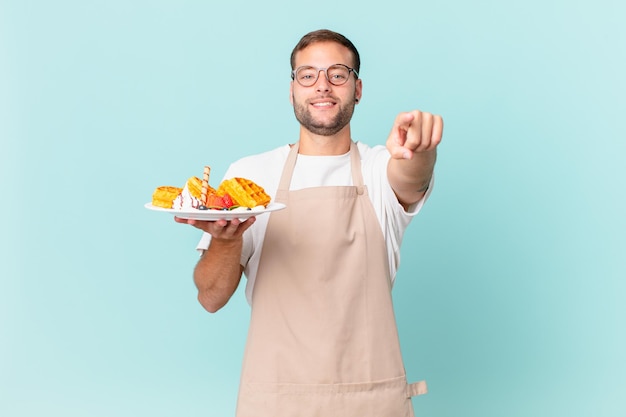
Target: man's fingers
[(401, 126), (418, 134), (179, 220), (414, 131), (437, 130), (426, 131), (233, 228), (400, 152), (404, 119), (217, 228)]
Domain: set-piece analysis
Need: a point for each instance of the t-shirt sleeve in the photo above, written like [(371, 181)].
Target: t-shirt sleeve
[(394, 219)]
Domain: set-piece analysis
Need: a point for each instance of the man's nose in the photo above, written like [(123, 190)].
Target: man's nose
[(322, 83)]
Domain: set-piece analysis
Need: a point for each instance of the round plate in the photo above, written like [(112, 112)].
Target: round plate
[(213, 215)]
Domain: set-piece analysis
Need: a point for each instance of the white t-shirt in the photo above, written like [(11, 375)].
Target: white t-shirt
[(266, 169)]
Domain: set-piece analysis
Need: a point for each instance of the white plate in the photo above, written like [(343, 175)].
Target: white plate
[(213, 215)]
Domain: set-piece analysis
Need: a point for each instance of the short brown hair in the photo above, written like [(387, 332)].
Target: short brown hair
[(325, 35)]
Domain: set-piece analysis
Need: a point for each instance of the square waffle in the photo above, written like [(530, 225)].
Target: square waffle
[(244, 192), (164, 196)]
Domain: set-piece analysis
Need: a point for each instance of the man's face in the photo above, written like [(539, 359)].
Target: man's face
[(324, 109)]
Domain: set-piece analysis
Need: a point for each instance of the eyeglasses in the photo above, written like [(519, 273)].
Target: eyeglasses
[(337, 74)]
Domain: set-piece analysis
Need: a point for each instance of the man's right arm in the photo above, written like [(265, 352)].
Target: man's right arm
[(218, 272)]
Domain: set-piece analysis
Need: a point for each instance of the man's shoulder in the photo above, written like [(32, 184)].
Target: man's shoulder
[(261, 160), (261, 167), (371, 154)]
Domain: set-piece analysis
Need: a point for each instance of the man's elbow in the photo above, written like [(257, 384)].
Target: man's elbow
[(209, 304)]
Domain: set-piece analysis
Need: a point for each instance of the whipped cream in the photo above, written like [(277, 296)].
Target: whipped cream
[(185, 200)]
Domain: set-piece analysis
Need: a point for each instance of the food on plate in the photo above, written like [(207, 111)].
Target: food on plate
[(232, 194), (190, 195), (244, 192), (164, 196), (218, 202), (205, 182)]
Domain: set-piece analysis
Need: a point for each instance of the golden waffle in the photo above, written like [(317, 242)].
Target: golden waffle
[(244, 192), (194, 184), (164, 196)]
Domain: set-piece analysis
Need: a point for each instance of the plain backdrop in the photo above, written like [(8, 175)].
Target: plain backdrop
[(510, 297)]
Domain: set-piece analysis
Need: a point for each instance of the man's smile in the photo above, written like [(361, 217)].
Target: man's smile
[(323, 103)]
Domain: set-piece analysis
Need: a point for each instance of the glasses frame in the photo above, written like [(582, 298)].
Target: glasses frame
[(294, 72)]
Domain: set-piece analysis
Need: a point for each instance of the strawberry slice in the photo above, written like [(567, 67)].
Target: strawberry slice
[(215, 202), (228, 200)]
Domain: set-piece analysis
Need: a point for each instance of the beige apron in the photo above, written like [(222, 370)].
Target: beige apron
[(323, 340)]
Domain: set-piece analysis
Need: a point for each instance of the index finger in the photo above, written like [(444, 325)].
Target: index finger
[(404, 120)]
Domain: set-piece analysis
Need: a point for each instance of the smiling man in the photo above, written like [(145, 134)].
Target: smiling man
[(323, 339), (333, 107)]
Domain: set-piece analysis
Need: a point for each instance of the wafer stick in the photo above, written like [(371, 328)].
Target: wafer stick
[(205, 183)]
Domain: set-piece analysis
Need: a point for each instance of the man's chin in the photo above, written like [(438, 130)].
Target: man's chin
[(328, 126), (323, 129)]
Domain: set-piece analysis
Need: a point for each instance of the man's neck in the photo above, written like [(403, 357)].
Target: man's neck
[(312, 144)]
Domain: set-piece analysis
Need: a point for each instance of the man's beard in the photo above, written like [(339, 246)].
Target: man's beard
[(323, 128)]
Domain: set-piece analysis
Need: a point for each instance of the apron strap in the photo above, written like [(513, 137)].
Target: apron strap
[(416, 388), (355, 164), (285, 178)]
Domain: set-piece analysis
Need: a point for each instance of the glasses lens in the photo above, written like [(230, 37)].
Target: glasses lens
[(338, 74), (307, 76)]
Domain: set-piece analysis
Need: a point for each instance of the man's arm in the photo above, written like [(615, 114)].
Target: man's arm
[(218, 272), (412, 144)]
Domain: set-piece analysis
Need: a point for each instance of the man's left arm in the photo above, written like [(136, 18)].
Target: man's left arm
[(412, 144)]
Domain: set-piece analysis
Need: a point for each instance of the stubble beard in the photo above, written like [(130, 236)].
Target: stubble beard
[(306, 119)]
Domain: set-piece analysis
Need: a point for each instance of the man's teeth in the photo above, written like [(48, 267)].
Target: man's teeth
[(326, 104)]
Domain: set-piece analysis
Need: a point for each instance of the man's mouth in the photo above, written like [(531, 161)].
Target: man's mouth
[(323, 104)]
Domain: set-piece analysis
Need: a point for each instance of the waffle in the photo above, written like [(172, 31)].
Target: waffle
[(244, 192), (194, 184), (164, 196)]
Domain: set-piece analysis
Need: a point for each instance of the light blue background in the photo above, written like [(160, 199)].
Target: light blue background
[(510, 298)]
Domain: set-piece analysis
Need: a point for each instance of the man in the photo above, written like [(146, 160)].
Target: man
[(322, 338)]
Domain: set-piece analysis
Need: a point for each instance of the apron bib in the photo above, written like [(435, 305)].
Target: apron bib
[(323, 340)]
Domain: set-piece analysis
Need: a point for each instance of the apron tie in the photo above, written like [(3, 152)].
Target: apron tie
[(416, 388)]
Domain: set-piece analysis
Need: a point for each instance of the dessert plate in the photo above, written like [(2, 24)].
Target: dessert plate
[(212, 215)]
